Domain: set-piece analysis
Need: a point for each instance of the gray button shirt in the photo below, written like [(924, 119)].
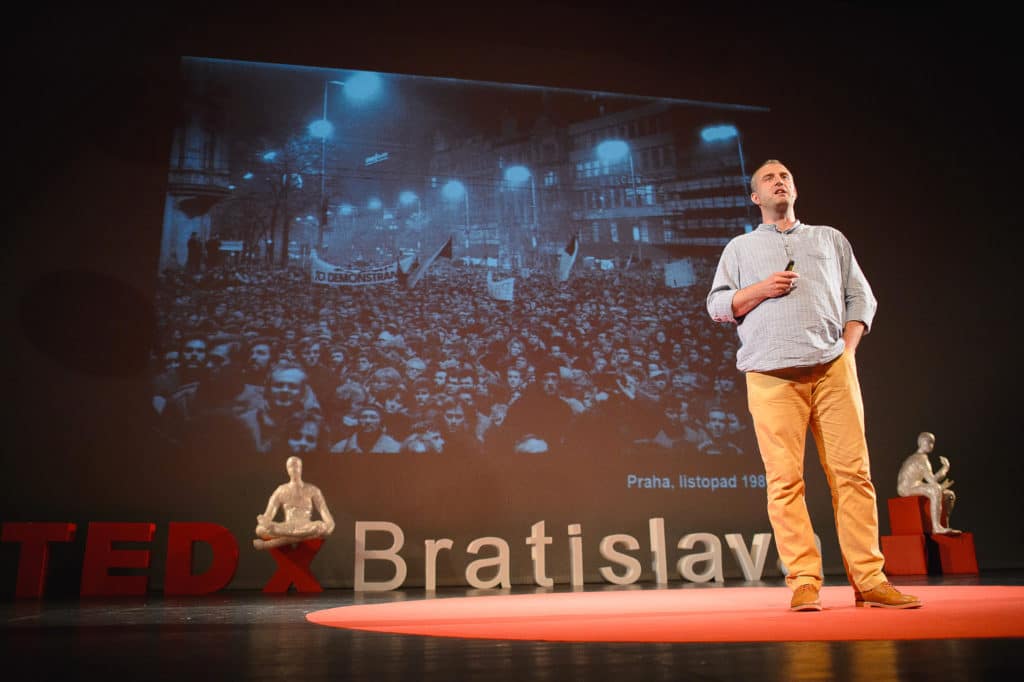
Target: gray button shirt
[(804, 327)]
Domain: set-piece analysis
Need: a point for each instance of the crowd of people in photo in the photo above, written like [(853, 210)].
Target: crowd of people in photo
[(610, 362)]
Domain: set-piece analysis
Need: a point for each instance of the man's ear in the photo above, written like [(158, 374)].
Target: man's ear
[(756, 199)]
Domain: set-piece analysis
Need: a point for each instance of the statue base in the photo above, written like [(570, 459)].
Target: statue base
[(909, 515), (905, 554), (956, 552), (913, 549)]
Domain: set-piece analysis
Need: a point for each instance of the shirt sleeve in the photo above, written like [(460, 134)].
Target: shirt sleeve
[(724, 287), (860, 301)]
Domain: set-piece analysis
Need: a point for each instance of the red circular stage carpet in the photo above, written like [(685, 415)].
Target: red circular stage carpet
[(734, 614)]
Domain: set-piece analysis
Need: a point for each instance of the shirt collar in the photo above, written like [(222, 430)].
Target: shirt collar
[(771, 227)]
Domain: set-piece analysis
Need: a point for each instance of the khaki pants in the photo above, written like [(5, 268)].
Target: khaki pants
[(826, 398)]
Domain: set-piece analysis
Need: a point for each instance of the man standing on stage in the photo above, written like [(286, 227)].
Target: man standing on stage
[(798, 338)]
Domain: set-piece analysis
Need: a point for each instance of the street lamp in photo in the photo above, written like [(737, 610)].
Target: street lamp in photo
[(613, 151), (374, 204), (454, 190), (349, 211), (722, 133), (323, 129), (517, 175), (360, 87), (408, 198)]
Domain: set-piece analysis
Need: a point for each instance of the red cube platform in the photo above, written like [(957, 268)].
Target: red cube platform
[(909, 515), (905, 554), (956, 552)]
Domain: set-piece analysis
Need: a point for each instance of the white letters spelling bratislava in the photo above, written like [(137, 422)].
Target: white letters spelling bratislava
[(622, 569)]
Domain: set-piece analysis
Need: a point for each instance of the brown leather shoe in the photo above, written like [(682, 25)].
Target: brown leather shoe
[(805, 598), (886, 596)]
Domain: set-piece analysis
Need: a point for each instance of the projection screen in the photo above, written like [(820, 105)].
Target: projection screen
[(470, 308)]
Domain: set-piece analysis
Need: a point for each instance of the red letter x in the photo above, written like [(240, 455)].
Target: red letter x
[(293, 567)]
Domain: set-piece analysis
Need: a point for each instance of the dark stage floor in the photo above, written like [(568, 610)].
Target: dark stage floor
[(237, 635)]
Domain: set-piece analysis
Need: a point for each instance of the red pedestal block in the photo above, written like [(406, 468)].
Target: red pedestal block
[(909, 515), (956, 552), (905, 554)]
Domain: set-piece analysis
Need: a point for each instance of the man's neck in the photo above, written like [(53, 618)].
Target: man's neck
[(782, 222)]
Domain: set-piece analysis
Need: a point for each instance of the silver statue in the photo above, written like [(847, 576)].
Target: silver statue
[(916, 478), (299, 500)]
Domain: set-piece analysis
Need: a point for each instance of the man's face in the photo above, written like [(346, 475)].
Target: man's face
[(452, 387), (311, 355), (304, 440), (369, 421), (363, 364), (622, 356), (774, 187), (194, 354), (259, 357), (413, 371), (440, 379), (337, 358), (514, 378), (549, 382), (218, 357), (172, 360), (498, 413), (435, 439), (286, 387), (379, 383), (393, 404), (422, 395), (716, 423), (454, 418)]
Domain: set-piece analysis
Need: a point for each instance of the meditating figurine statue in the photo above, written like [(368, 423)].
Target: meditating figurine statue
[(298, 499), (916, 478)]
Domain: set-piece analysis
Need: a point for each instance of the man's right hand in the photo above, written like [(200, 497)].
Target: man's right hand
[(775, 285), (779, 283)]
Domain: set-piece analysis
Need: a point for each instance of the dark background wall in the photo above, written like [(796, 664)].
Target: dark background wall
[(896, 123)]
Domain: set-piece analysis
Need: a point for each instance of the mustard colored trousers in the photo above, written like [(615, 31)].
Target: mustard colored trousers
[(826, 398)]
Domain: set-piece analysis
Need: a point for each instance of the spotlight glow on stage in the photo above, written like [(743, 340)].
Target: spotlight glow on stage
[(707, 614)]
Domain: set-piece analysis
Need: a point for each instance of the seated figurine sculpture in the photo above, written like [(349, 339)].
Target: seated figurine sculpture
[(916, 478), (299, 500)]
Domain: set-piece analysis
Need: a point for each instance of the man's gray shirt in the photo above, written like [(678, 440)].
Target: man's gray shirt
[(804, 327)]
